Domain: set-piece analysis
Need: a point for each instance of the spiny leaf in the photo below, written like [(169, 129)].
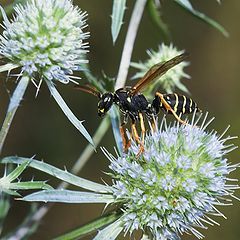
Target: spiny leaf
[(11, 192), (185, 4), (69, 114), (29, 185), (68, 196), (119, 7), (17, 171), (60, 174)]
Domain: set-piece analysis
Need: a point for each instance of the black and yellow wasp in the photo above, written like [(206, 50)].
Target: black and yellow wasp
[(133, 104)]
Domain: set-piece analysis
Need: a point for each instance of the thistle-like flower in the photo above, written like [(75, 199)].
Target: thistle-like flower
[(171, 79), (46, 39), (172, 188), (176, 184)]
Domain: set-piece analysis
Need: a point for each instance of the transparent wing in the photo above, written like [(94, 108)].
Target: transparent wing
[(157, 71)]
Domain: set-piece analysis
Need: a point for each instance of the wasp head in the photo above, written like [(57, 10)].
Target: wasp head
[(105, 103)]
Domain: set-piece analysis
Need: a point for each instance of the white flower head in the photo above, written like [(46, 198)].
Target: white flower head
[(46, 39), (171, 79), (173, 188)]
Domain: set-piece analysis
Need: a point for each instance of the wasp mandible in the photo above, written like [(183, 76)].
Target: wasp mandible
[(133, 104)]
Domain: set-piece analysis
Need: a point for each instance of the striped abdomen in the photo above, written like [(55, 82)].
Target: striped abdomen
[(180, 104)]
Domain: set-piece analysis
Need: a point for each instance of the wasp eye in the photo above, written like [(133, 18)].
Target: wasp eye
[(101, 112), (105, 103), (106, 100)]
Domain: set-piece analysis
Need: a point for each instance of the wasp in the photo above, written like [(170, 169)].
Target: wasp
[(133, 104)]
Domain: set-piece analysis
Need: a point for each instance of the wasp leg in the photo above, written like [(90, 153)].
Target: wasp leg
[(126, 144), (143, 130), (134, 132), (169, 108), (137, 138), (124, 140)]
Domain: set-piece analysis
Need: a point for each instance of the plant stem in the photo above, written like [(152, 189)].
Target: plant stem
[(129, 43), (12, 108)]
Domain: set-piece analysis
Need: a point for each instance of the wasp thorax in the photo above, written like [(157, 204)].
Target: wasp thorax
[(106, 101)]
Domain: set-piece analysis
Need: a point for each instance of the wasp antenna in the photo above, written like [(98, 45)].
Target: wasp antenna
[(156, 71), (186, 55), (176, 60), (89, 89), (92, 88)]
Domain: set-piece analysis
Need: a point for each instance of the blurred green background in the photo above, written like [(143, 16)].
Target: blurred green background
[(41, 129)]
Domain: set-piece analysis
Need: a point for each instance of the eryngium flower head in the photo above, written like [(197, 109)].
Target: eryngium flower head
[(171, 79), (46, 38), (176, 183)]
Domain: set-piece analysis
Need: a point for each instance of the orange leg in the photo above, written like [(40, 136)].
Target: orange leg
[(124, 140), (169, 108), (126, 144), (137, 138), (135, 133)]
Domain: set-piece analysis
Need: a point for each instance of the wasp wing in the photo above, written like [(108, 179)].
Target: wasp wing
[(157, 71), (89, 89)]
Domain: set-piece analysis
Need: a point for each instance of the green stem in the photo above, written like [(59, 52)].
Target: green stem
[(12, 108), (90, 227)]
